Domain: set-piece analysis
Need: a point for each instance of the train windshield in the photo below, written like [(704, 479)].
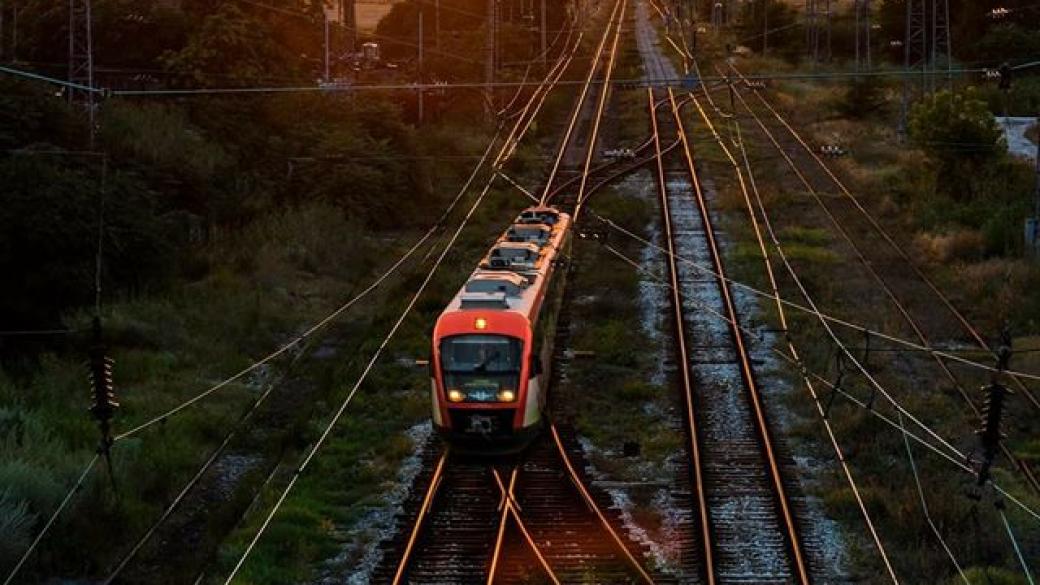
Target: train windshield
[(481, 366)]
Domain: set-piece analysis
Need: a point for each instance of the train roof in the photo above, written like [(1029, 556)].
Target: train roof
[(515, 269)]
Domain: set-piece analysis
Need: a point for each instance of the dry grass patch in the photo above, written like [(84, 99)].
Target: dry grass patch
[(958, 245)]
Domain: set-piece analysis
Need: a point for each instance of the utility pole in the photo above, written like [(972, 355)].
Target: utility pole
[(765, 26), (544, 35), (421, 40), (869, 26), (489, 62), (915, 56), (326, 15), (827, 7), (856, 26), (81, 57), (350, 21), (863, 27), (812, 31), (941, 56), (496, 25), (14, 30), (1033, 224)]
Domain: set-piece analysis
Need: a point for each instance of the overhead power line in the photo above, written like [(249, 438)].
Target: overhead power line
[(54, 516), (637, 83)]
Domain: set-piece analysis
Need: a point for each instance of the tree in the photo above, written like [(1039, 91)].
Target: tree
[(784, 37), (863, 97), (960, 134), (229, 46)]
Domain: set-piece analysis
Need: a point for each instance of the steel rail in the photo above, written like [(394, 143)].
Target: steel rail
[(897, 302), (511, 508), (554, 75), (502, 519), (424, 509), (693, 435), (618, 168), (601, 105), (591, 503), (579, 104), (880, 230), (794, 540)]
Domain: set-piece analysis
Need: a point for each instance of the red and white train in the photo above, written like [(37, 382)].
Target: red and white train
[(492, 345)]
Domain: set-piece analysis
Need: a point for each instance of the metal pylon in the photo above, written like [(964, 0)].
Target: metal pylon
[(81, 57), (941, 56), (915, 57), (812, 31), (863, 29)]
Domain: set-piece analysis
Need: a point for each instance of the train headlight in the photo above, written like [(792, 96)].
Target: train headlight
[(506, 396), (456, 395)]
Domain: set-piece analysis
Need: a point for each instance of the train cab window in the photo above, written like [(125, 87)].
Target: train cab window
[(482, 368)]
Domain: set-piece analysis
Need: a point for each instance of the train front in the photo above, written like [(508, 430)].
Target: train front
[(482, 401)]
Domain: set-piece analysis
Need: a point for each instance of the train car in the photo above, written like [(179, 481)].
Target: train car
[(492, 345)]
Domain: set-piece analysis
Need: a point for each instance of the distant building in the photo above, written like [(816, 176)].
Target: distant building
[(369, 12)]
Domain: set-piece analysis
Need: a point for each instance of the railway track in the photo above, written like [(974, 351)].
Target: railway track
[(747, 524), (461, 526), (746, 515)]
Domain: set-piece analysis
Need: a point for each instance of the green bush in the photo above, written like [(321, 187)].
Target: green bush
[(863, 98), (960, 135), (991, 576), (15, 525)]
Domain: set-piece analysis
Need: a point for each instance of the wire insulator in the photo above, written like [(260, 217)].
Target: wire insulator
[(103, 398), (990, 433)]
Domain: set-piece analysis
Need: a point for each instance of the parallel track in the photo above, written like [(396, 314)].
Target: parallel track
[(747, 521)]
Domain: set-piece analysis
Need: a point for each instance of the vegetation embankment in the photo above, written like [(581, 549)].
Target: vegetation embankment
[(230, 224), (955, 200)]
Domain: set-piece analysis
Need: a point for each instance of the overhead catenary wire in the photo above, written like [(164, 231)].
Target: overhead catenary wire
[(312, 329), (1018, 549), (808, 310), (506, 148), (504, 153), (193, 481), (635, 83), (579, 103), (597, 117), (924, 504), (957, 461), (881, 231), (881, 281), (357, 385), (76, 487)]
